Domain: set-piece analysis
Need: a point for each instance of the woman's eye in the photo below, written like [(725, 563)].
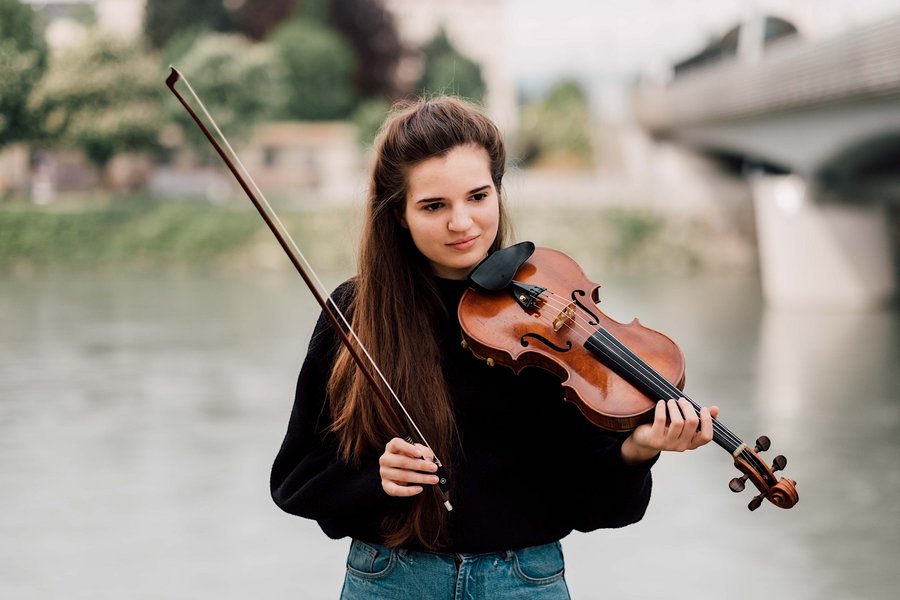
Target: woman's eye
[(433, 206), (479, 196)]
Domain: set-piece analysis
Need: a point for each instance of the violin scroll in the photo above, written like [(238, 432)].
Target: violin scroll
[(782, 493)]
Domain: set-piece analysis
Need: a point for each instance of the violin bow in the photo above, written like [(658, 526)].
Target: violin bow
[(331, 311)]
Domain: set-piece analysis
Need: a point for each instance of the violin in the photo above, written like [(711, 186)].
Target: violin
[(528, 306)]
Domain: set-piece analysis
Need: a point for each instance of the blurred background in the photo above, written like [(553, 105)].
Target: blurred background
[(728, 170)]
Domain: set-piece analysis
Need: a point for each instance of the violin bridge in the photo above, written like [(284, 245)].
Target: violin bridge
[(565, 315)]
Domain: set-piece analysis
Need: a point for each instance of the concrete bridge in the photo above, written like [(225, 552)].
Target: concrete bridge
[(815, 126)]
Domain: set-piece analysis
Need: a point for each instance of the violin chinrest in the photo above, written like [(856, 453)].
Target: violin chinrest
[(496, 272)]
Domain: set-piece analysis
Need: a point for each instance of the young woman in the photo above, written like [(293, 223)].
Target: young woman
[(527, 468)]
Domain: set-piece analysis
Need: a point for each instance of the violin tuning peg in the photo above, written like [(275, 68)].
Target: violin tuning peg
[(756, 502), (737, 484), (779, 463), (762, 443)]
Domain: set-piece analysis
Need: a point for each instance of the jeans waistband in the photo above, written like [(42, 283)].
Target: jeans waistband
[(505, 554)]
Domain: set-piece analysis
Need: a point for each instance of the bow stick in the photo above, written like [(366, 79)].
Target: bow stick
[(331, 311)]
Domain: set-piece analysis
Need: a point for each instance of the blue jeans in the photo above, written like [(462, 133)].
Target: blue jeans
[(376, 572)]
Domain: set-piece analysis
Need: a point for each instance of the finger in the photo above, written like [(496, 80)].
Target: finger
[(392, 489), (689, 434), (400, 446), (405, 476), (654, 433), (401, 461), (660, 418), (425, 452), (676, 421), (691, 418), (714, 411), (706, 430)]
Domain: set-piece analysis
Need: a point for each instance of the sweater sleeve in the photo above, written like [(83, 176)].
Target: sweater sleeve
[(308, 477), (615, 493)]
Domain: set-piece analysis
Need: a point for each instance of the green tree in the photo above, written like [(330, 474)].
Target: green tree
[(23, 61), (163, 19), (237, 80), (102, 97), (447, 71), (557, 131), (371, 30), (257, 18), (368, 118), (319, 66), (364, 24)]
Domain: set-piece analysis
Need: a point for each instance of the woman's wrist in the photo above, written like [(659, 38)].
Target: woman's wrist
[(634, 453)]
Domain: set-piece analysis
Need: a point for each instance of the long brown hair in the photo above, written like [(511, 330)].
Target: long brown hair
[(396, 304)]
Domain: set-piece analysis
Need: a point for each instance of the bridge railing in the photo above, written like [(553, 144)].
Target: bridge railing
[(792, 74)]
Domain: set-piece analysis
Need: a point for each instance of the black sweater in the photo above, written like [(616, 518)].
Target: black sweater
[(531, 467)]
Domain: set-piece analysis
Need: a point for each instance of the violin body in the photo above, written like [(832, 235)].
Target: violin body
[(535, 307), (493, 328)]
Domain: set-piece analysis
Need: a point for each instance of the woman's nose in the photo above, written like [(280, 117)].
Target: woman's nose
[(460, 219)]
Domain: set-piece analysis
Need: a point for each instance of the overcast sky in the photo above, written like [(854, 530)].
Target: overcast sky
[(549, 38)]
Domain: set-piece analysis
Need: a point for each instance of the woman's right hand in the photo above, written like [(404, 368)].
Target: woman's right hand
[(405, 466)]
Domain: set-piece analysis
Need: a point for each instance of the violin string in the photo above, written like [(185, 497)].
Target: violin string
[(675, 393), (621, 352), (629, 360), (649, 374), (626, 358), (654, 375), (320, 286), (663, 388)]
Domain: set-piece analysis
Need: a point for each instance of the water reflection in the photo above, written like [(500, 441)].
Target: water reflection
[(828, 384), (139, 417)]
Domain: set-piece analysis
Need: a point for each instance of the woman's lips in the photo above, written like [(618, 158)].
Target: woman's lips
[(463, 244)]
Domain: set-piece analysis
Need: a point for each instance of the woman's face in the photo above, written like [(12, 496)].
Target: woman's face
[(452, 210)]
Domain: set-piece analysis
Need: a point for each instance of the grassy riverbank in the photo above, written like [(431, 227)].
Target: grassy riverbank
[(636, 240), (141, 233), (135, 232)]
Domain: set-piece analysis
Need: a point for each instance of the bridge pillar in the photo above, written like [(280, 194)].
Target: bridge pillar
[(820, 254)]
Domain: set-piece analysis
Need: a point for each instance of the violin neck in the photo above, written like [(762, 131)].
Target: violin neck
[(618, 357)]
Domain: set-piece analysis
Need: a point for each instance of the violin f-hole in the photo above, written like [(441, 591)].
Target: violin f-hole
[(545, 341), (594, 320)]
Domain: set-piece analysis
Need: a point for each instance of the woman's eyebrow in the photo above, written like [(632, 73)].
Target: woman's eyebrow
[(424, 200), (442, 199)]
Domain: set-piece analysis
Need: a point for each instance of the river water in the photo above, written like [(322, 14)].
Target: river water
[(139, 416)]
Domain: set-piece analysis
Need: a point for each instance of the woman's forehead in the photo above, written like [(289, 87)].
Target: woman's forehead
[(461, 167)]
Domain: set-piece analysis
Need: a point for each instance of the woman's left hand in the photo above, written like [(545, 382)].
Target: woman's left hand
[(676, 427)]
